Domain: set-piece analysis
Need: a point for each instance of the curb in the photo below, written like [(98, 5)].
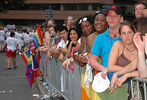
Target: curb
[(42, 89)]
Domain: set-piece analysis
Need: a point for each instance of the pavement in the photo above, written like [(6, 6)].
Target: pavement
[(14, 84)]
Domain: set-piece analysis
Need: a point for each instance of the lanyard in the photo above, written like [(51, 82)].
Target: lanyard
[(110, 41), (72, 66)]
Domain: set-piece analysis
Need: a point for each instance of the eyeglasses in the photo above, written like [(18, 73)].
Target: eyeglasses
[(83, 20)]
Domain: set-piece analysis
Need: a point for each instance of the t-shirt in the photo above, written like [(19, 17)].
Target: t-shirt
[(26, 37), (102, 46), (7, 35), (18, 36), (62, 44), (2, 35), (11, 43)]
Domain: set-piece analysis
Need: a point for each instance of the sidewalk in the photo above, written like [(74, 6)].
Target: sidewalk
[(45, 91), (14, 84)]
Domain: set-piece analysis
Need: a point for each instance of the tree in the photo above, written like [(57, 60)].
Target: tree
[(10, 5)]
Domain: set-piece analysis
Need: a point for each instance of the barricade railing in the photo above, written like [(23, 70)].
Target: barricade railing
[(138, 88), (65, 83), (68, 84)]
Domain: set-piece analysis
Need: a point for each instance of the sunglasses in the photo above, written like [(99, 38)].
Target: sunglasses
[(101, 12), (84, 19)]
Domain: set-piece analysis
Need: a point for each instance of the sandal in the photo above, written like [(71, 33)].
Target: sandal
[(8, 68)]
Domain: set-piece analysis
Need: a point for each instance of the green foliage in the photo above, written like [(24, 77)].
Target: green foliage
[(10, 5)]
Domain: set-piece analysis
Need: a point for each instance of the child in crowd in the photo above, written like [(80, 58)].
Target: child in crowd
[(11, 49)]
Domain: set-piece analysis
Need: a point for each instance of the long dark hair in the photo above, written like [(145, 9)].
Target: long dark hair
[(68, 37)]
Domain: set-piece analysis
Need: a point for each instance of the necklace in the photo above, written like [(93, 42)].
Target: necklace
[(114, 35), (130, 50)]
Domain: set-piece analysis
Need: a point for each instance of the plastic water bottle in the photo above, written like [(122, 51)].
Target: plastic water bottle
[(46, 85)]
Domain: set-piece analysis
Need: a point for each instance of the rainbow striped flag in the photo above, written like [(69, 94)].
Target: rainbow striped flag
[(33, 68), (36, 63), (38, 39), (26, 55), (29, 71)]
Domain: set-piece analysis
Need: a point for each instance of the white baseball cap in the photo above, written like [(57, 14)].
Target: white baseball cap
[(99, 84)]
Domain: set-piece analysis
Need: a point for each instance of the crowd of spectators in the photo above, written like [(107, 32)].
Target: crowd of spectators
[(121, 45)]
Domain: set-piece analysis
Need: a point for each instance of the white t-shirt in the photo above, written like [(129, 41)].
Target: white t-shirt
[(19, 37), (62, 44), (26, 37), (7, 35), (11, 43), (2, 35)]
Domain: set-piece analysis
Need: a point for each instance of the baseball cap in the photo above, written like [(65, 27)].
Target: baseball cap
[(99, 84), (116, 9)]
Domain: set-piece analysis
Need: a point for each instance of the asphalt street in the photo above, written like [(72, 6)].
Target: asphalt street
[(13, 82)]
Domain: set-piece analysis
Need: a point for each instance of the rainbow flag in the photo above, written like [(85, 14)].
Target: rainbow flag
[(29, 71), (38, 39), (26, 55), (36, 64), (35, 41), (33, 68)]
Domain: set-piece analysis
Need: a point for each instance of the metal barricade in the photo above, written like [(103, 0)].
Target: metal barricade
[(138, 89), (68, 84), (65, 83)]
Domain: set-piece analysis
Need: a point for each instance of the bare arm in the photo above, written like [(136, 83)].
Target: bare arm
[(142, 66), (69, 50), (94, 63), (68, 54), (122, 79), (129, 68), (113, 56), (141, 47)]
